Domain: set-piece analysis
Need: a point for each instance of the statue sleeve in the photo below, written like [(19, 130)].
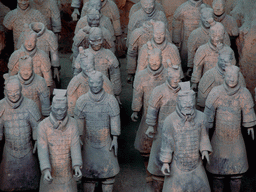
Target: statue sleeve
[(192, 41), (72, 96), (198, 65), (115, 123), (107, 85), (13, 63), (53, 41), (9, 20), (132, 59), (116, 19), (55, 17), (247, 105), (46, 69), (205, 144), (1, 123), (43, 152), (177, 25), (143, 58), (227, 39), (76, 155), (44, 97), (34, 118), (79, 115), (137, 99)]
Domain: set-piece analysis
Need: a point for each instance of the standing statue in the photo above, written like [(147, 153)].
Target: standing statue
[(185, 142), (161, 103), (3, 11), (98, 116), (59, 149), (215, 77), (201, 36), (104, 60), (19, 117), (206, 56), (79, 83), (41, 61), (229, 106), (145, 81), (33, 86), (16, 18)]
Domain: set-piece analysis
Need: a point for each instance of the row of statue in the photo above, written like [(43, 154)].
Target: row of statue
[(76, 133)]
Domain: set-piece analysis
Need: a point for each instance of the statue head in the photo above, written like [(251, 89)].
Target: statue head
[(23, 4), (217, 32), (59, 106), (231, 75), (96, 82), (148, 5), (225, 58), (173, 75), (96, 38), (25, 67), (93, 18), (96, 4), (186, 99), (154, 58), (206, 16), (159, 31), (218, 7), (13, 89), (30, 41), (86, 62)]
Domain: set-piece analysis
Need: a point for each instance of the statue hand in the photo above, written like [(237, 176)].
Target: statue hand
[(189, 72), (47, 176), (56, 74), (193, 86), (35, 147), (118, 99), (150, 132), (166, 169), (250, 131), (134, 116), (78, 173), (75, 14), (205, 155), (114, 145), (129, 78)]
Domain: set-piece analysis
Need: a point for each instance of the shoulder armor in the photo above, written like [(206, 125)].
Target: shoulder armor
[(112, 58), (80, 105), (247, 96), (200, 54), (41, 85), (14, 58), (73, 85), (214, 95), (156, 95), (33, 109), (52, 40), (206, 81), (46, 64), (114, 106), (79, 37), (135, 35), (9, 19)]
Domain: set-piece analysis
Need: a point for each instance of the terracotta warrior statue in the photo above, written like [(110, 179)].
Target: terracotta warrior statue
[(206, 56), (161, 103), (19, 118), (98, 116), (16, 18), (168, 50), (34, 87), (59, 149), (229, 106), (215, 77), (46, 41), (104, 59), (79, 83), (147, 12), (3, 11), (185, 142), (41, 61), (201, 36), (145, 81)]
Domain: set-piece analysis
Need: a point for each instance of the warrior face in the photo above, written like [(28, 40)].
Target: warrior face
[(30, 41), (217, 35), (59, 108), (231, 76), (154, 61), (13, 90), (224, 60), (87, 65), (159, 32), (96, 4), (173, 78), (26, 70), (93, 19), (96, 82), (23, 4), (218, 7), (148, 5), (206, 16), (187, 104), (96, 38)]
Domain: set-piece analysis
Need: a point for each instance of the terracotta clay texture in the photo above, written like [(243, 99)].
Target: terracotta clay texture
[(34, 87), (19, 118), (185, 142), (59, 149), (79, 83), (98, 116), (46, 41), (229, 106), (50, 11), (16, 19), (201, 35), (206, 56), (144, 83), (41, 61), (3, 11), (186, 19)]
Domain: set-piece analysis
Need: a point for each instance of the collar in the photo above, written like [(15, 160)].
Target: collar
[(104, 3), (30, 53), (175, 90), (157, 72), (215, 48), (219, 18), (14, 105), (162, 46), (60, 125), (42, 28), (231, 91), (205, 30), (151, 15), (26, 82), (23, 11), (84, 75), (97, 97), (196, 4), (186, 118)]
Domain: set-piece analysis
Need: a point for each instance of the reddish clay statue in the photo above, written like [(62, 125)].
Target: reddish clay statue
[(215, 77), (206, 56), (229, 106), (144, 83), (19, 117), (3, 11), (201, 36), (41, 61), (147, 12), (161, 103), (46, 41), (16, 18), (98, 116), (51, 12), (34, 87), (79, 83), (185, 142), (104, 60), (59, 149)]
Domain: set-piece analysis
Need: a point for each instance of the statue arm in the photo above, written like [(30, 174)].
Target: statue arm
[(205, 144), (79, 116), (54, 51), (153, 108), (247, 105), (197, 68), (76, 155), (44, 98), (177, 27), (142, 59), (115, 77), (1, 129), (138, 94), (46, 70), (191, 50), (132, 54), (210, 108), (72, 98), (55, 17)]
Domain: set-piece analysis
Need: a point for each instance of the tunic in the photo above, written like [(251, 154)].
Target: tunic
[(229, 108), (19, 169), (101, 116), (162, 102), (144, 83), (182, 143), (59, 151)]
